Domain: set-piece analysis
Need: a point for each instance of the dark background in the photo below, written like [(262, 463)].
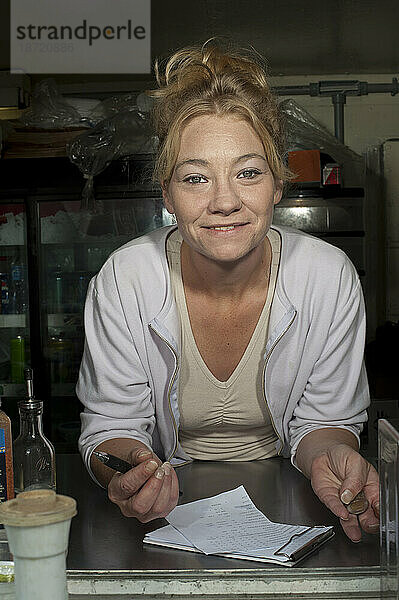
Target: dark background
[(297, 37)]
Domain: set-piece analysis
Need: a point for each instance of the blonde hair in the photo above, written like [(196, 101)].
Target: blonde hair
[(203, 80)]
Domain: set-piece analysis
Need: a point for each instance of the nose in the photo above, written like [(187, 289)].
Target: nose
[(224, 199)]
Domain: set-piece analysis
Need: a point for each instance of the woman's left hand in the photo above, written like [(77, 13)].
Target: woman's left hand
[(337, 476)]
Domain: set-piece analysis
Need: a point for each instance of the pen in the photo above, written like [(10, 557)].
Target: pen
[(115, 463)]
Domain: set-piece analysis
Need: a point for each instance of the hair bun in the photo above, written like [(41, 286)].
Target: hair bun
[(209, 79), (193, 65)]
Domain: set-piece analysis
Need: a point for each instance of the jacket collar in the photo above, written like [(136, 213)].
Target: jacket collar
[(167, 323), (282, 310)]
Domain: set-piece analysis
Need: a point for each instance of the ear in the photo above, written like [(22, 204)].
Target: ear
[(278, 191), (166, 199)]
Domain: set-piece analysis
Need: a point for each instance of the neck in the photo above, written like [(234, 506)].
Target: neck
[(226, 280)]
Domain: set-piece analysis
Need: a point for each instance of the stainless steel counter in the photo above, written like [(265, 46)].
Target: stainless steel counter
[(107, 559)]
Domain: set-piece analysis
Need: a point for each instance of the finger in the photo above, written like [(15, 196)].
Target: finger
[(372, 493), (121, 487), (162, 505), (329, 497), (350, 488), (369, 497), (142, 504), (168, 495), (351, 528), (175, 492), (373, 511), (359, 474), (369, 522), (174, 486), (141, 454)]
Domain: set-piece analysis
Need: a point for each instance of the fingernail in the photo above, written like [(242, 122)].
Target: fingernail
[(167, 468), (357, 541), (346, 496), (151, 466), (159, 473), (374, 527), (142, 453)]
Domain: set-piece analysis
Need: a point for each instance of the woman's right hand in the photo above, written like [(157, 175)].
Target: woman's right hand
[(150, 490)]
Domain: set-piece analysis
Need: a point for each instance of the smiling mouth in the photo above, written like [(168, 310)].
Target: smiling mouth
[(225, 227)]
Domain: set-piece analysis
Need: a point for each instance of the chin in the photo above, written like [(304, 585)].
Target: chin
[(226, 257)]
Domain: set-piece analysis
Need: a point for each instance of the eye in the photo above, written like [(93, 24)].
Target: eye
[(194, 179), (249, 174)]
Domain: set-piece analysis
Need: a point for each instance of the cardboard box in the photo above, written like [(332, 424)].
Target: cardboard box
[(306, 165)]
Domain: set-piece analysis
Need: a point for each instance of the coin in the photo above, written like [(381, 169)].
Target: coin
[(358, 505)]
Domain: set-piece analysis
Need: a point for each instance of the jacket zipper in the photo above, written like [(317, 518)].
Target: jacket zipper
[(171, 382), (263, 382)]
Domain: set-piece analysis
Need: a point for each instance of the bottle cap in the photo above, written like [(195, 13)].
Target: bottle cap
[(37, 507)]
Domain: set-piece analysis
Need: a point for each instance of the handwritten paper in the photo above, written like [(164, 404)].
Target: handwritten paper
[(230, 522), (229, 525)]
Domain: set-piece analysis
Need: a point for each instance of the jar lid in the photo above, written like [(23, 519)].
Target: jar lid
[(37, 507)]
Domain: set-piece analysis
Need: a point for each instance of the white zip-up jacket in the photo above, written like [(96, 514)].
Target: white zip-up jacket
[(314, 374)]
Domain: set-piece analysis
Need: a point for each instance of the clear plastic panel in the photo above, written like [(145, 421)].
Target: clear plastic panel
[(74, 245), (388, 458)]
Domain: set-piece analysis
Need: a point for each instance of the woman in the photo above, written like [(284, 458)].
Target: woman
[(225, 338)]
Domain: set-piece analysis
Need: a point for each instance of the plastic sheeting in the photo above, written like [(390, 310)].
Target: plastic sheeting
[(122, 129), (49, 110), (125, 130)]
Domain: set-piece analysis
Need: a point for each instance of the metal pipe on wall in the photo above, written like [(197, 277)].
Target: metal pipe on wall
[(339, 101), (338, 91)]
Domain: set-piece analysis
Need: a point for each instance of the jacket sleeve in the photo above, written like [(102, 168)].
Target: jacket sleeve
[(336, 393), (112, 385)]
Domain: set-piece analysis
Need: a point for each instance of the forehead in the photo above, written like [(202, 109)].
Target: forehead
[(211, 133)]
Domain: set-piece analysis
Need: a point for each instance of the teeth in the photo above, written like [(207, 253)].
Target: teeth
[(226, 228)]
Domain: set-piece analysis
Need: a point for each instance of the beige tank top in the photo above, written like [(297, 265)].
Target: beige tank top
[(223, 420)]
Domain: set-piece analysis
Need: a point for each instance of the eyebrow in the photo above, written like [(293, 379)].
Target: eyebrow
[(204, 163)]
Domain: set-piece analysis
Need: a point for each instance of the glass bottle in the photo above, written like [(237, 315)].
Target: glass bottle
[(18, 304), (34, 459), (6, 471)]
